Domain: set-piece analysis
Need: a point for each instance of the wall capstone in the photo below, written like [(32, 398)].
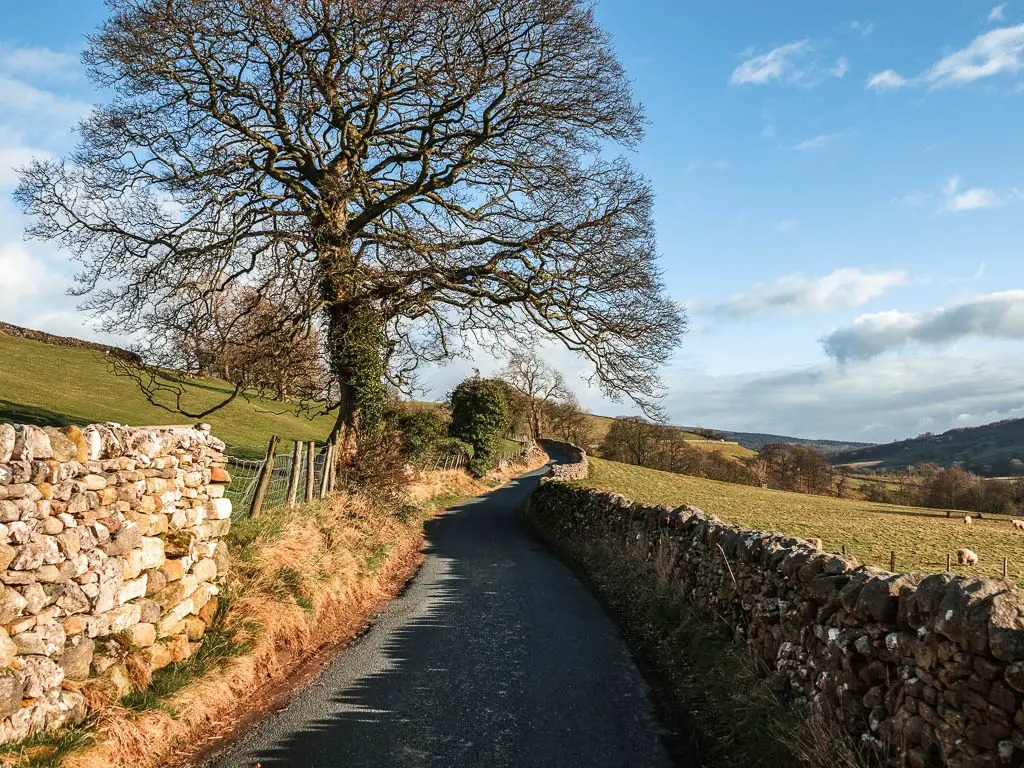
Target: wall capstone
[(110, 555), (932, 666)]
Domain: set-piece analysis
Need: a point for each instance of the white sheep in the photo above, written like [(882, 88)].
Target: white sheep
[(1018, 524), (968, 520), (966, 557), (816, 543)]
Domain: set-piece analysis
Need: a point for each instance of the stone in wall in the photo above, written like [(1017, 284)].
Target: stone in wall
[(929, 667), (109, 548)]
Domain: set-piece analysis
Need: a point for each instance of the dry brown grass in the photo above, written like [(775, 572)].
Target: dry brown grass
[(303, 583)]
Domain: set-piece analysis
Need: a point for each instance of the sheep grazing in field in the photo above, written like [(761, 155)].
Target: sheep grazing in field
[(966, 557), (1018, 524), (816, 543), (968, 520)]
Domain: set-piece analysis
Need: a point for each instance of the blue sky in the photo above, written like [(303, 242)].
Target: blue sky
[(840, 204)]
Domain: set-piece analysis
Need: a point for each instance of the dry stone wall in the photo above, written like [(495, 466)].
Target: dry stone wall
[(110, 556), (926, 669), (575, 468)]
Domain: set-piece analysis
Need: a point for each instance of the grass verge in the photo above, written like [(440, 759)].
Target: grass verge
[(44, 750), (716, 706)]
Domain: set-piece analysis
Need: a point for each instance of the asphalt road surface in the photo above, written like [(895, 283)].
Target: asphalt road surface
[(494, 656)]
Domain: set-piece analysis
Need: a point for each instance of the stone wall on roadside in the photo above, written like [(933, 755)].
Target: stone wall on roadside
[(926, 669), (575, 469), (110, 557)]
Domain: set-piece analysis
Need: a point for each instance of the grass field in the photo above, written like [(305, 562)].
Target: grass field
[(46, 384), (735, 451), (921, 538)]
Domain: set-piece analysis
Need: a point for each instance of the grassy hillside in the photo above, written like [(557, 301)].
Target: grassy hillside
[(920, 537), (50, 385), (986, 450), (600, 425)]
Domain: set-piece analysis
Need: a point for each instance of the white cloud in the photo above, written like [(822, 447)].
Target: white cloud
[(786, 226), (865, 28), (20, 98), (888, 80), (992, 53), (838, 290), (816, 142), (37, 61), (958, 200), (913, 199), (997, 14), (779, 63), (12, 158), (991, 316), (1000, 51), (879, 400), (791, 63)]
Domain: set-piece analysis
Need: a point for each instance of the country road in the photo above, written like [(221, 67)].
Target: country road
[(496, 655)]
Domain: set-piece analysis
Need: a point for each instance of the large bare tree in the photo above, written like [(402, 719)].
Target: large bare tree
[(410, 173), (540, 384)]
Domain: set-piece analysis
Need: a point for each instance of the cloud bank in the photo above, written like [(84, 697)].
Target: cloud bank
[(992, 316), (797, 293)]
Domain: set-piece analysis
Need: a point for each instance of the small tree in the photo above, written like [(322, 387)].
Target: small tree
[(631, 439), (540, 383), (480, 418), (570, 423)]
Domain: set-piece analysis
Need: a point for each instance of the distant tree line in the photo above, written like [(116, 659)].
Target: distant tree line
[(929, 485)]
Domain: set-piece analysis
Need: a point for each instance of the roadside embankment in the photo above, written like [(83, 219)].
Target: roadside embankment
[(908, 670), (111, 562)]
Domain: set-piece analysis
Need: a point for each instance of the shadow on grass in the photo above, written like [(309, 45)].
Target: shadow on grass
[(20, 413)]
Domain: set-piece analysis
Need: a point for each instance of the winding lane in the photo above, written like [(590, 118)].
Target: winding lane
[(496, 655)]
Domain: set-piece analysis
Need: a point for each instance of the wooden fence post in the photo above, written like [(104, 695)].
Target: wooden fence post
[(327, 468), (947, 562), (293, 478), (310, 470), (1004, 566), (332, 470), (892, 562), (264, 481)]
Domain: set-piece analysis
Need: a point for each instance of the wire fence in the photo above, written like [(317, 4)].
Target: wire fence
[(246, 473)]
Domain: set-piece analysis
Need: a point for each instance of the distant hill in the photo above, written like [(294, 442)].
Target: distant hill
[(986, 450), (758, 440)]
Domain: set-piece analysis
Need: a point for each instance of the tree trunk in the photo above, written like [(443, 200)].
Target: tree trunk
[(355, 330), (346, 426)]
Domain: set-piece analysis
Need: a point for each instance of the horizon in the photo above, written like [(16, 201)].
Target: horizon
[(837, 204)]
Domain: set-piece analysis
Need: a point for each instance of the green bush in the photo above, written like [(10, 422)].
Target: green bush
[(480, 417), (423, 430)]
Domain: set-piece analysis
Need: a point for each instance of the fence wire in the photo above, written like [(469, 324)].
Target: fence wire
[(245, 477), (245, 474)]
